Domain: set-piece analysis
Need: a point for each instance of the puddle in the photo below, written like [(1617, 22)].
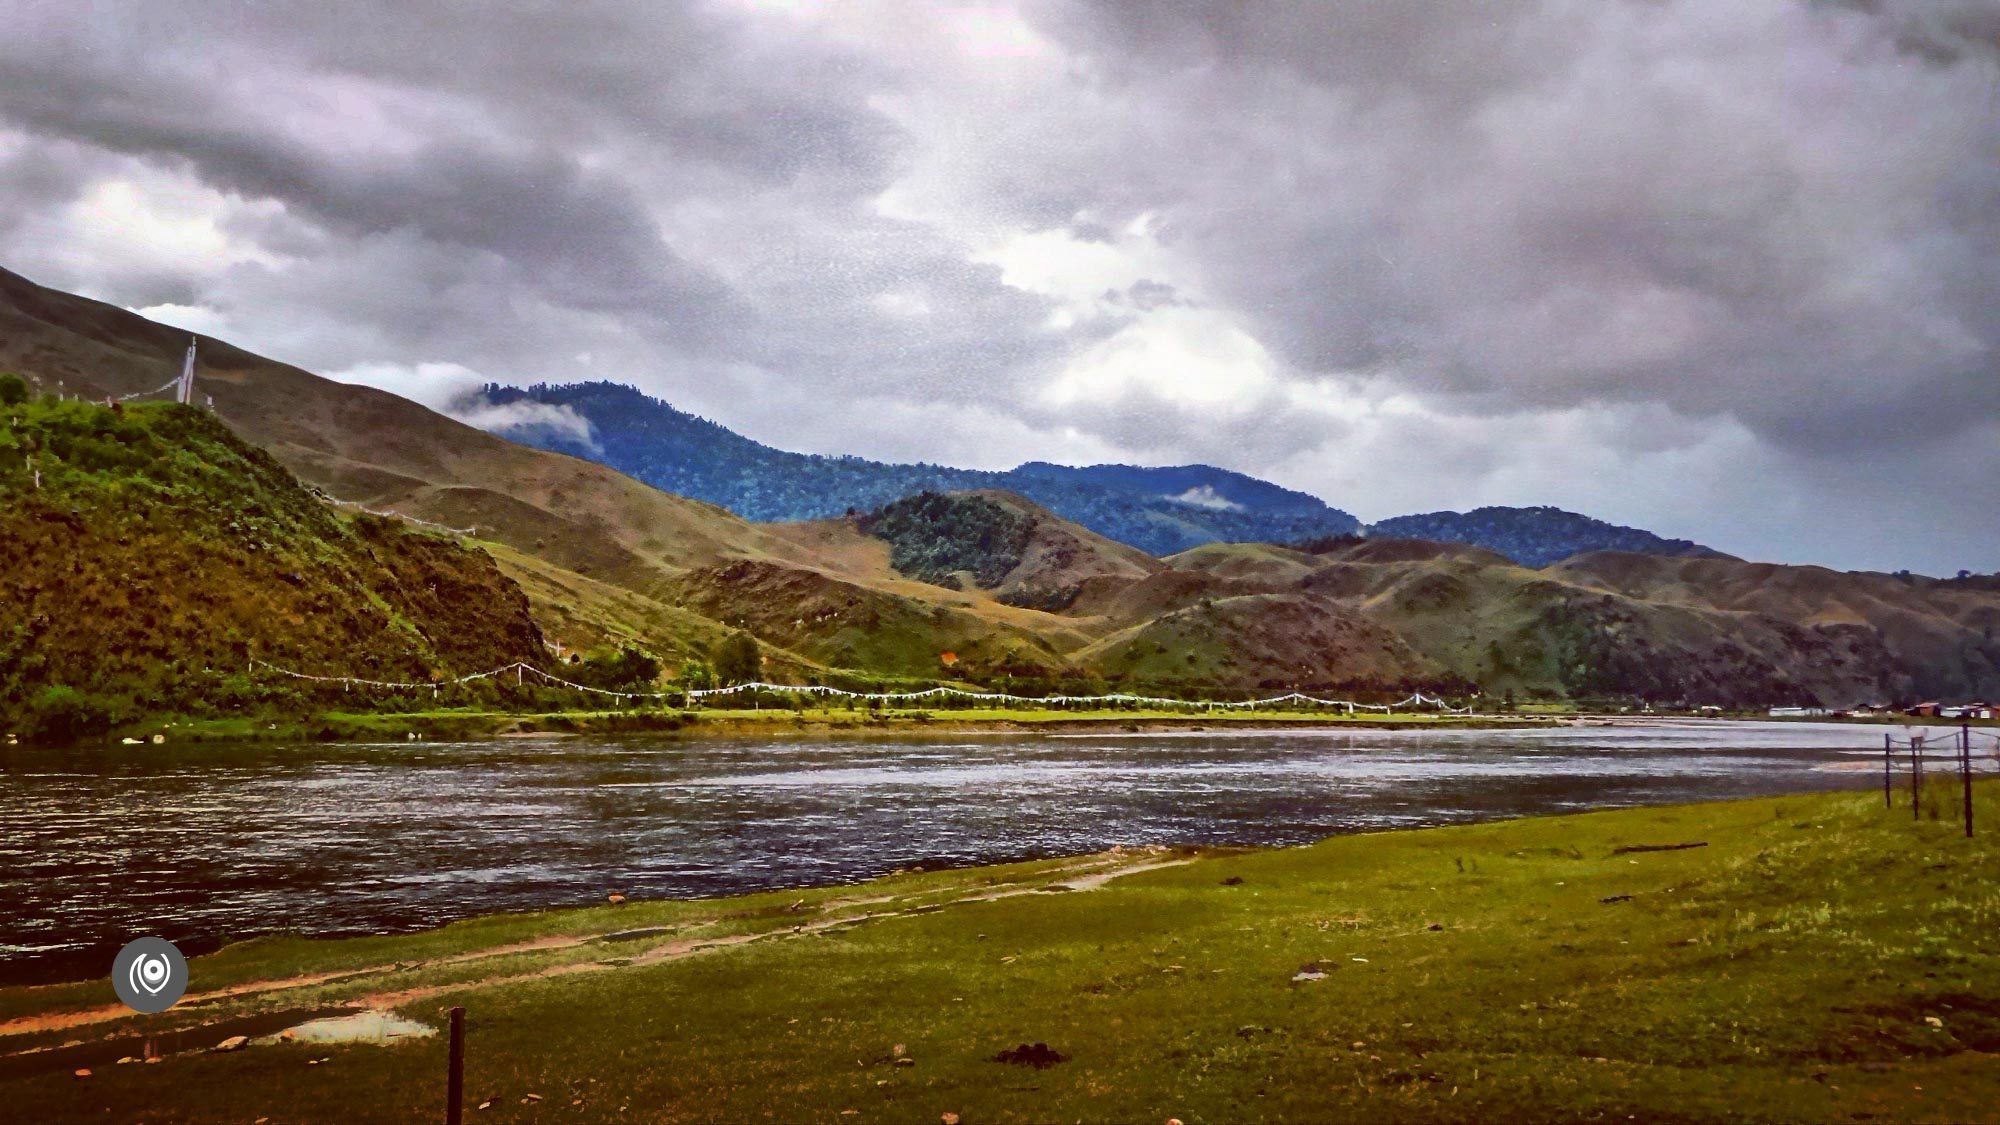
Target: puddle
[(355, 1027), (636, 935)]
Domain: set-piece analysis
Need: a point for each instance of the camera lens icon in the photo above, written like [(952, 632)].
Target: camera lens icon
[(149, 975)]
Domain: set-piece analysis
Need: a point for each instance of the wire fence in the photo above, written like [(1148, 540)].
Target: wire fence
[(1960, 747), (522, 670)]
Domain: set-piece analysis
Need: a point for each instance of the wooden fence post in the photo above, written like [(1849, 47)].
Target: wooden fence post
[(1916, 777), (1965, 771), (454, 1086), (1888, 764)]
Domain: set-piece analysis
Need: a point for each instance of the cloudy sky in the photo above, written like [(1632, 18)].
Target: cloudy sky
[(1726, 270)]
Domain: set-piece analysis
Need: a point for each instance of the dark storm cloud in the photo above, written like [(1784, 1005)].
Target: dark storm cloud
[(1411, 255), (1762, 212), (583, 236)]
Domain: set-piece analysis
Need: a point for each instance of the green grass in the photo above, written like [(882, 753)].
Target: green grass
[(451, 723), (1786, 971)]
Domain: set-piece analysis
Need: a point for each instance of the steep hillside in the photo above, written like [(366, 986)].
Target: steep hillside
[(582, 614), (1534, 536), (370, 446), (846, 624), (1943, 633), (149, 553), (1156, 510), (1268, 642), (1615, 625)]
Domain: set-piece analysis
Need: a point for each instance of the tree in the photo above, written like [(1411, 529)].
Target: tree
[(628, 668), (696, 675), (13, 390), (737, 659)]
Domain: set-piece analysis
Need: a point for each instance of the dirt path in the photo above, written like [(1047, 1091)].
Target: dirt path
[(1092, 879), (1087, 873)]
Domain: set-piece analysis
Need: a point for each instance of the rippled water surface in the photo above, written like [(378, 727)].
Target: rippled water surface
[(200, 845)]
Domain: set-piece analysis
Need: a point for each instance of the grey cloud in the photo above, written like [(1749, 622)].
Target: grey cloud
[(1739, 213), (1666, 220)]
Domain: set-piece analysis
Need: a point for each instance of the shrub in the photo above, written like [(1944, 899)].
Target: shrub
[(13, 390), (60, 715)]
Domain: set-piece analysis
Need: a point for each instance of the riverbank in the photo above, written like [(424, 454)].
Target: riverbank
[(1802, 958), (466, 724), (469, 724)]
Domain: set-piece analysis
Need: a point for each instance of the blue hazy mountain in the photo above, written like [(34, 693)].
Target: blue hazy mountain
[(1535, 536), (1158, 510)]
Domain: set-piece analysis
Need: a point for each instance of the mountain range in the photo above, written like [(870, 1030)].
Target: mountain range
[(985, 586), (1158, 510)]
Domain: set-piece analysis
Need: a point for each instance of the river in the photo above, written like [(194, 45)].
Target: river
[(207, 844)]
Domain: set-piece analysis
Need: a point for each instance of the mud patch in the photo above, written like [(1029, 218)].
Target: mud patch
[(160, 1044), (355, 1027)]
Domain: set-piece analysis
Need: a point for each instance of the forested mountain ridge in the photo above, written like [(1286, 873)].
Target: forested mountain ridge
[(1536, 536), (1159, 511)]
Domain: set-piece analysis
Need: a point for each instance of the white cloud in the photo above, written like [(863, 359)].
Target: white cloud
[(524, 419), (1205, 496)]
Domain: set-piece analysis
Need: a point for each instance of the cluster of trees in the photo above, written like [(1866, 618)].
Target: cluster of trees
[(932, 536), (735, 659), (623, 669)]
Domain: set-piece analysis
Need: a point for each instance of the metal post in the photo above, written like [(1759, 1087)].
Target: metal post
[(1965, 771), (1888, 764), (454, 1087)]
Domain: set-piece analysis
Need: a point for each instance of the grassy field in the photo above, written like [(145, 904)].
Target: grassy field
[(1818, 958)]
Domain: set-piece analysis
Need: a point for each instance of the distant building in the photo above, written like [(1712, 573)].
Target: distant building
[(1797, 712), (1926, 710)]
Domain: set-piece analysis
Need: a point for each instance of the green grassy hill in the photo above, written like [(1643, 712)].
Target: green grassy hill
[(148, 554)]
